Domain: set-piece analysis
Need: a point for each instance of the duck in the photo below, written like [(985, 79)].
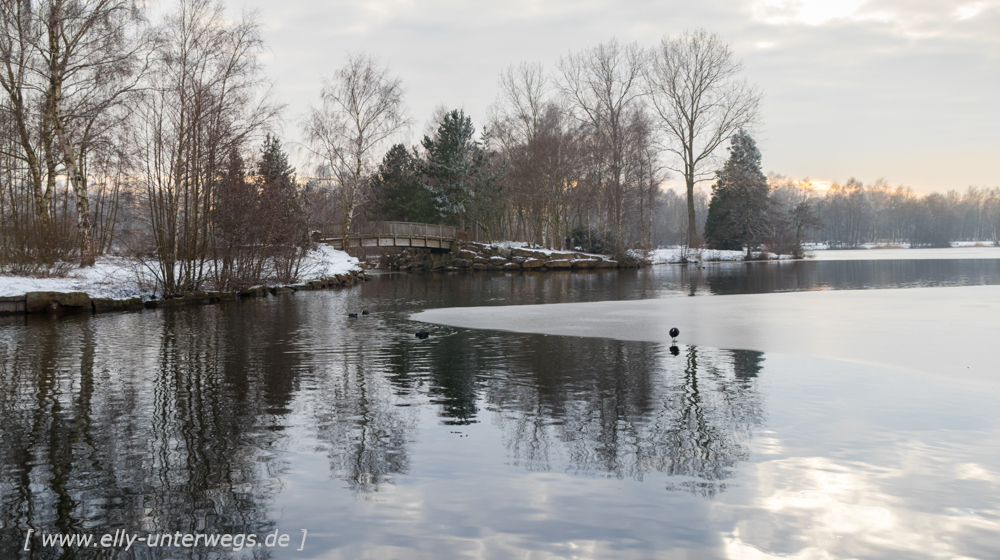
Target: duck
[(674, 331), (423, 334)]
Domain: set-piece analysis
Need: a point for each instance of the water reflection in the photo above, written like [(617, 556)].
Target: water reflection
[(205, 419)]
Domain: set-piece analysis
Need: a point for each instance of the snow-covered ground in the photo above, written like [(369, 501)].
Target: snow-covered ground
[(123, 278), (523, 245), (685, 254), (868, 246)]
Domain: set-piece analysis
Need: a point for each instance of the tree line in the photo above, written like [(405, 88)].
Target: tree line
[(156, 139)]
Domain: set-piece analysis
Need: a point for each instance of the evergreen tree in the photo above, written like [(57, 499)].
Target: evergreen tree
[(738, 212), (399, 192), (458, 170), (273, 167), (282, 213)]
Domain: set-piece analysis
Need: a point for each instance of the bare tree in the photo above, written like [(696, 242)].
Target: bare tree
[(540, 150), (693, 84), (602, 85), (362, 109), (91, 57), (204, 99)]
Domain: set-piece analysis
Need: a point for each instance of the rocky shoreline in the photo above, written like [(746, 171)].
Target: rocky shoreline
[(478, 256), (33, 303)]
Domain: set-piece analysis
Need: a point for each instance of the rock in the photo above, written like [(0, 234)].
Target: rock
[(512, 266), (494, 267), (562, 256), (517, 260), (466, 254), (461, 263), (317, 284), (584, 263), (498, 261), (480, 259), (52, 302), (527, 253), (261, 291), (479, 266), (282, 290), (12, 305), (105, 305), (300, 287), (558, 263), (606, 263), (532, 263)]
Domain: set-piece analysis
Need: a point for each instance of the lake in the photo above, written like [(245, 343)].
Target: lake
[(748, 437)]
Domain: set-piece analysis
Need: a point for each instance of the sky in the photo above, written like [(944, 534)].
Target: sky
[(904, 90)]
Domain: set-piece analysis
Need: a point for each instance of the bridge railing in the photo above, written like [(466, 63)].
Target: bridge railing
[(393, 229)]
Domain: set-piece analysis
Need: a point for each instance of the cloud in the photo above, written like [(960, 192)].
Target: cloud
[(901, 89)]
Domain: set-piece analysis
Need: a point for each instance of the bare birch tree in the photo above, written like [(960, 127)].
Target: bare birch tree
[(603, 87), (361, 111), (205, 98), (694, 86)]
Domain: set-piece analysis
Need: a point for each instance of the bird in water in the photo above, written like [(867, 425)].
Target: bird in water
[(352, 315), (423, 334), (674, 331), (364, 311)]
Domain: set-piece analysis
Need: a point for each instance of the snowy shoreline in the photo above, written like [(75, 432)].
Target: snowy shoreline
[(121, 278)]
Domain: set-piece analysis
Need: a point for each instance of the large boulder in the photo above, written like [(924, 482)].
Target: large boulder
[(558, 263), (527, 253), (461, 263), (52, 302), (512, 266), (498, 261), (532, 263), (478, 266), (584, 263), (466, 254), (562, 256), (607, 263)]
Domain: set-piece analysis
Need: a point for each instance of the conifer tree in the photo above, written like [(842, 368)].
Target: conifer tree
[(738, 212)]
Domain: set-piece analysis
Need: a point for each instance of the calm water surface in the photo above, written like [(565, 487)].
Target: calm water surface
[(283, 415)]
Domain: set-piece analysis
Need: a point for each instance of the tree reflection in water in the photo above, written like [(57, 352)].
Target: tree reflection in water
[(183, 420), (624, 409), (145, 423)]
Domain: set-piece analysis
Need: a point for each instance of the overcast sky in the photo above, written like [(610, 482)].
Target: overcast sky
[(906, 90)]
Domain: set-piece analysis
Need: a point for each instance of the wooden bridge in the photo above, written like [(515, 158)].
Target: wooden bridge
[(392, 234)]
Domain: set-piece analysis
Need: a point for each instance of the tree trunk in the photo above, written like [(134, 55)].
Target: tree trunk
[(692, 220)]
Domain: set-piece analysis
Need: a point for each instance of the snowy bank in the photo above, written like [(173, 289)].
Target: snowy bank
[(124, 278), (685, 254)]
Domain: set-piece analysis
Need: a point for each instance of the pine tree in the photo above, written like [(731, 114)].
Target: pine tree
[(738, 212), (456, 167), (399, 193)]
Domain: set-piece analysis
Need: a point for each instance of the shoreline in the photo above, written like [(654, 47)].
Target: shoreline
[(59, 303)]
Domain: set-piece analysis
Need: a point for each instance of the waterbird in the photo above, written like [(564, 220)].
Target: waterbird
[(423, 334), (352, 315), (364, 311), (674, 331)]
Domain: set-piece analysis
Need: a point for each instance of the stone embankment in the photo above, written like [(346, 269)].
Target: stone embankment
[(479, 256), (63, 302)]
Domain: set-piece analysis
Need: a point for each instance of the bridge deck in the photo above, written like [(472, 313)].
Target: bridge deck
[(395, 234)]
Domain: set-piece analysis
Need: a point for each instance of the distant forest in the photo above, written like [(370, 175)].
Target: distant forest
[(155, 139)]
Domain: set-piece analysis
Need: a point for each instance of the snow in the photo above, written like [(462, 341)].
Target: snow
[(685, 254), (124, 278), (522, 245)]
